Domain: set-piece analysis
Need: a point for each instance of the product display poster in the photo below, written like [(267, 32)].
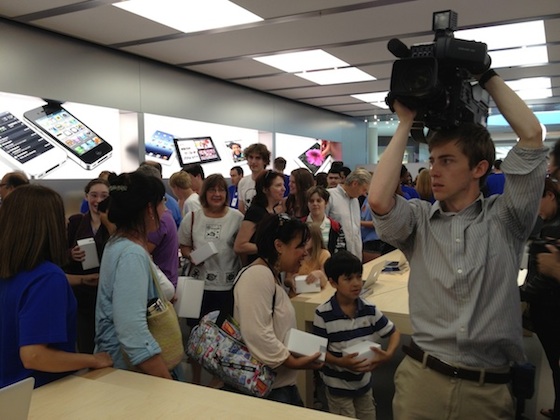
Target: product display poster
[(316, 155), (64, 141), (175, 142)]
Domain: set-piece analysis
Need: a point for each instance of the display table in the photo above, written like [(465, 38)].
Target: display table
[(118, 394), (390, 296)]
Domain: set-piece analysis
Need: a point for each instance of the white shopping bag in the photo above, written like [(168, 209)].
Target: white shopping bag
[(189, 297)]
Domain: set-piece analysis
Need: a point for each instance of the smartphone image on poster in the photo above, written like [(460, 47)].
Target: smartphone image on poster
[(314, 160), (25, 150), (160, 147), (81, 143)]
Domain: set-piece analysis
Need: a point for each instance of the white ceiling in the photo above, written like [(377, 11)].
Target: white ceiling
[(355, 31)]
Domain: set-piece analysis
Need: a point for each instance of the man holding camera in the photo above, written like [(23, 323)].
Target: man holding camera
[(464, 255)]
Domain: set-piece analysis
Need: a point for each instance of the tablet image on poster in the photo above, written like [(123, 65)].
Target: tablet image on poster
[(196, 150), (81, 143), (25, 150), (160, 147)]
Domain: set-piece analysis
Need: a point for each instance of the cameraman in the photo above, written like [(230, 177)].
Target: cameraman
[(464, 255)]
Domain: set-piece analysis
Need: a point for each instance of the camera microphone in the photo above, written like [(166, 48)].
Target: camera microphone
[(398, 48)]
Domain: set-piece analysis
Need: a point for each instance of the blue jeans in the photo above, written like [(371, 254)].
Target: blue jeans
[(286, 394)]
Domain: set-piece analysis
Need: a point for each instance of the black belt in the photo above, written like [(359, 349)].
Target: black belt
[(475, 375)]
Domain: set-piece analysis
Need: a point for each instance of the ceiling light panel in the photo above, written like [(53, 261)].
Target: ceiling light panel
[(336, 76), (302, 61), (375, 98), (519, 57), (189, 15), (507, 36)]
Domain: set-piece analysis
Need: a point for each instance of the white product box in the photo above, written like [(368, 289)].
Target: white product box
[(363, 349), (306, 344), (203, 253), (189, 294), (92, 259), (303, 287)]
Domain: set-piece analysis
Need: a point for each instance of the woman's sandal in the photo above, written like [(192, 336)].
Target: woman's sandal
[(547, 412)]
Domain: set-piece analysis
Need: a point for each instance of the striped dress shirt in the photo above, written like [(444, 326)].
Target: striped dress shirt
[(463, 295)]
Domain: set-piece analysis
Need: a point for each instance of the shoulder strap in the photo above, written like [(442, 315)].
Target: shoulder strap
[(155, 279), (192, 223)]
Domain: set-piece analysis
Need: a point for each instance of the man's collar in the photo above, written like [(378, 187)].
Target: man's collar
[(471, 210)]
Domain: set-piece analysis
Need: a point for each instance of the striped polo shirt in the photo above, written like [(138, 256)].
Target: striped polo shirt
[(342, 331)]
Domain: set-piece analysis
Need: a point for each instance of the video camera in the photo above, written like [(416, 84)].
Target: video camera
[(435, 79)]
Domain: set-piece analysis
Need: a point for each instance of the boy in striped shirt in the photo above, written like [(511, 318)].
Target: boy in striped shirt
[(345, 320)]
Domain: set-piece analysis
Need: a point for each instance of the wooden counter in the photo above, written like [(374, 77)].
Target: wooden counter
[(119, 394)]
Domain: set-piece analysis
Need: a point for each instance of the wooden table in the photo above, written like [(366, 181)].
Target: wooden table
[(119, 394), (390, 296)]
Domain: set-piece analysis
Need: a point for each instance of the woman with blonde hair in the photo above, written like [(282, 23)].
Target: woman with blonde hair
[(312, 264), (424, 186), (38, 322), (180, 184)]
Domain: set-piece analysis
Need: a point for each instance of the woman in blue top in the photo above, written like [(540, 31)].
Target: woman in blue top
[(38, 322), (125, 276)]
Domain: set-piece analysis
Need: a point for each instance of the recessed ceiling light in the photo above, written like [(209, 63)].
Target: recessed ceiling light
[(532, 87), (302, 61), (507, 36), (190, 16), (375, 98), (336, 76), (519, 57)]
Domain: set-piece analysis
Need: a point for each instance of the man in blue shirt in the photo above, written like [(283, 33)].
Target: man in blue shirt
[(235, 173)]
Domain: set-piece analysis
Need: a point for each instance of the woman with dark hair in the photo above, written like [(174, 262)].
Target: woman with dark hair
[(263, 308), (126, 276), (542, 292), (296, 203), (84, 282), (38, 322), (218, 224), (269, 187), (331, 231)]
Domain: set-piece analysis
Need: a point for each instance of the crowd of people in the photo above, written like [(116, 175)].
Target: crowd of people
[(462, 236)]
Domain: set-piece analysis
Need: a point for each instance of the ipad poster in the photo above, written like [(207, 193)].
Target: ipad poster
[(78, 140), (175, 141), (316, 155)]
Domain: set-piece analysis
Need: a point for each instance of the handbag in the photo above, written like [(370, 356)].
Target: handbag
[(222, 352), (164, 327)]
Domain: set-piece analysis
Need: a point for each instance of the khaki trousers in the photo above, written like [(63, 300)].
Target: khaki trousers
[(421, 393), (362, 407)]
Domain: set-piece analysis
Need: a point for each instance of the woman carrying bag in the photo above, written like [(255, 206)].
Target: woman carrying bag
[(218, 224), (127, 287), (262, 306)]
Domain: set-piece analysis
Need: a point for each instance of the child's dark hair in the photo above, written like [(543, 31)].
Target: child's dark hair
[(342, 263)]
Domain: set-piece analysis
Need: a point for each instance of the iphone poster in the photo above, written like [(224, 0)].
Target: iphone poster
[(104, 122)]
